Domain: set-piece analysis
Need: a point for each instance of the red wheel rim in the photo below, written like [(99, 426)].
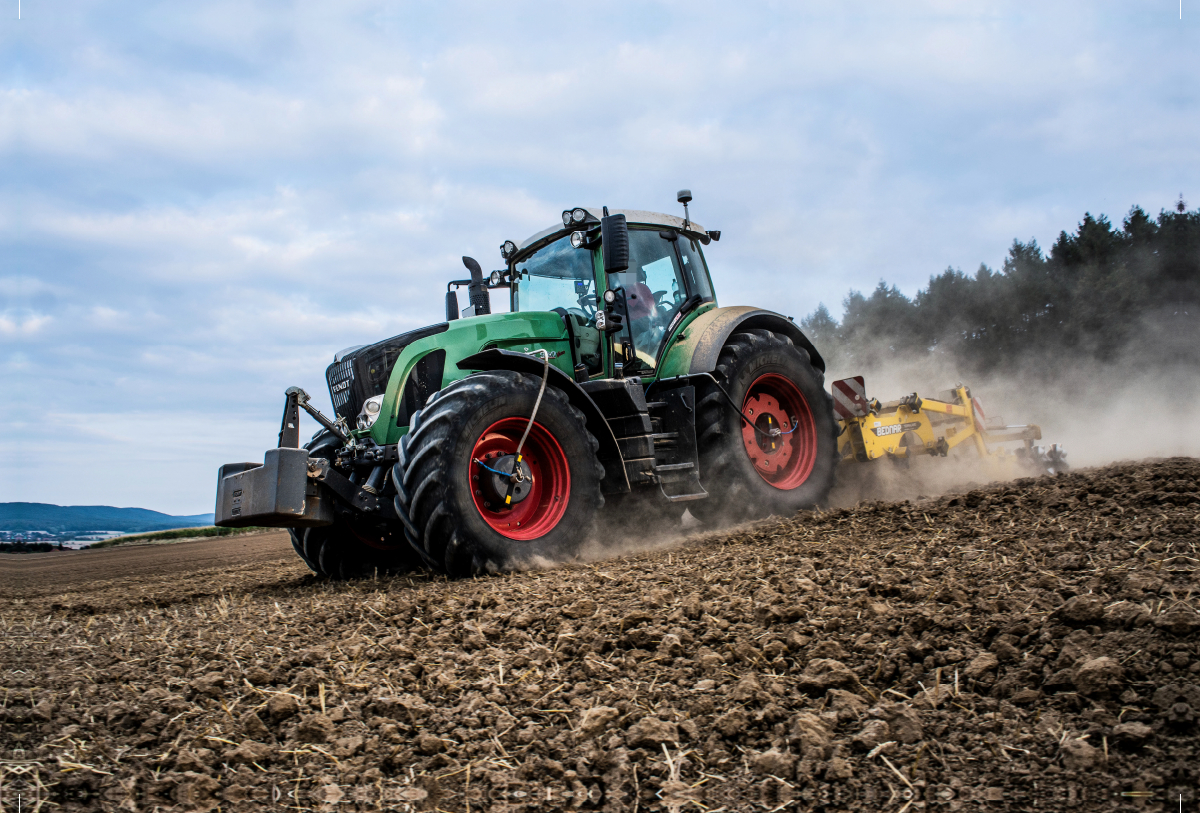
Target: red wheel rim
[(540, 512), (775, 403)]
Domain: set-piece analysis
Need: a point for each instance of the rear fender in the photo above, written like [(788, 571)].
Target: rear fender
[(699, 345), (615, 478)]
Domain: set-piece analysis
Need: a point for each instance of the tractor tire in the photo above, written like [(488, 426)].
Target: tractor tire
[(748, 473), (350, 550), (448, 494), (297, 537)]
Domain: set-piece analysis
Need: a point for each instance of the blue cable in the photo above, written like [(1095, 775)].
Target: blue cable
[(781, 432), (493, 471)]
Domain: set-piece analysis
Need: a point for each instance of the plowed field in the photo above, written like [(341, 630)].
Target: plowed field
[(1026, 645)]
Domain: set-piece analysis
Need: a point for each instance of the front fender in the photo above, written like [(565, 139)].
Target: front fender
[(524, 332)]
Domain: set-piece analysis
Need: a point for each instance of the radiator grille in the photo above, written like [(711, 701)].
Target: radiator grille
[(364, 373), (341, 388)]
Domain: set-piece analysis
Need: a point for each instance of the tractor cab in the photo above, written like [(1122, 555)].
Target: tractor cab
[(664, 276)]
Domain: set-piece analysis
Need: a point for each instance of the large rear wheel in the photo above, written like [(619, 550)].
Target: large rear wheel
[(781, 458), (466, 512)]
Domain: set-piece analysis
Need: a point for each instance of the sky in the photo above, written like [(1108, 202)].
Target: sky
[(201, 203)]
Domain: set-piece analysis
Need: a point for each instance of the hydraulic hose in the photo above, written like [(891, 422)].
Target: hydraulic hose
[(732, 403), (538, 402), (515, 475)]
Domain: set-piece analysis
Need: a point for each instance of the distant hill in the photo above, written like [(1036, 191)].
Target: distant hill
[(37, 516)]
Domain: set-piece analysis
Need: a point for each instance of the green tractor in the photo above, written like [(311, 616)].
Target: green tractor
[(616, 388)]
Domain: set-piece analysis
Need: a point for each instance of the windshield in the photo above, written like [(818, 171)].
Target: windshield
[(557, 276), (561, 278)]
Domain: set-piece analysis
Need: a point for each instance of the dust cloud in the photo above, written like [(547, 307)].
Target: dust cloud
[(1096, 340), (1144, 403)]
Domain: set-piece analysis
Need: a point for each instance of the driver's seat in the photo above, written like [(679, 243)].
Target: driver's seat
[(641, 301)]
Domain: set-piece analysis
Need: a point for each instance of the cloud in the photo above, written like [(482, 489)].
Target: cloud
[(22, 325), (207, 201)]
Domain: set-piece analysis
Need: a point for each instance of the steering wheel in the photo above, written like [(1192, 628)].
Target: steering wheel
[(587, 305), (660, 299)]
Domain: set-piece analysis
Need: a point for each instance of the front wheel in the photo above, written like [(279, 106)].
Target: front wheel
[(468, 513), (351, 550), (354, 546), (782, 456)]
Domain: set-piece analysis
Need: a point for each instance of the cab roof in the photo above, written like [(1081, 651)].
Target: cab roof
[(632, 216)]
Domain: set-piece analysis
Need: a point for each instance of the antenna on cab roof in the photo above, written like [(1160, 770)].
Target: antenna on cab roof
[(684, 196)]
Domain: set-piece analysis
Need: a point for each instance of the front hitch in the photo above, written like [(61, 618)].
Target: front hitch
[(289, 432)]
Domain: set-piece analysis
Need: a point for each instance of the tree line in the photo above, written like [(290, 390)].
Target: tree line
[(1102, 293), (30, 547)]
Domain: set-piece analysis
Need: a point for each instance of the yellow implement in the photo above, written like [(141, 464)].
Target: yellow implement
[(912, 426)]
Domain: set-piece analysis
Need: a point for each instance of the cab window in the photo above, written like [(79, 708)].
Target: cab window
[(694, 268), (656, 285)]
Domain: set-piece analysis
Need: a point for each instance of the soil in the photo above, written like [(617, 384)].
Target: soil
[(1024, 645)]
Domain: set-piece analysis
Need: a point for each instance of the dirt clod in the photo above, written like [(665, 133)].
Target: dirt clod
[(773, 763), (903, 722), (597, 721), (1023, 645), (1078, 755), (249, 752), (1098, 675), (282, 706), (822, 674), (315, 728), (650, 732), (871, 735), (254, 727), (980, 665), (429, 744), (1081, 610)]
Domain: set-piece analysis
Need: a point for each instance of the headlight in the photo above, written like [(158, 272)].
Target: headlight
[(370, 412), (579, 215), (566, 217), (577, 238), (507, 249)]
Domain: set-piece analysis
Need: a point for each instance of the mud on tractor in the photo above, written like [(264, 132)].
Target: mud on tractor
[(615, 387)]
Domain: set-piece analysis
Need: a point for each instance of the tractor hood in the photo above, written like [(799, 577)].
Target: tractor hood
[(408, 368)]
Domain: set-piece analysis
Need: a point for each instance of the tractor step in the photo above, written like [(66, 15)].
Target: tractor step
[(675, 451)]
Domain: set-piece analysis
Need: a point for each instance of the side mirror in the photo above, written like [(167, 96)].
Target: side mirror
[(614, 236), (451, 306)]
